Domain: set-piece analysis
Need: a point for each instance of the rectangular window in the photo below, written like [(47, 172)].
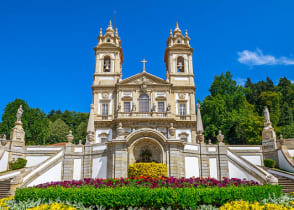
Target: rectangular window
[(104, 109), (104, 139), (183, 109), (127, 106), (161, 107), (184, 139)]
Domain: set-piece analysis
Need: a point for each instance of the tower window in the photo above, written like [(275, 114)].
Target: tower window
[(107, 66), (182, 109), (144, 103), (127, 106), (104, 109), (160, 106), (180, 64), (107, 40)]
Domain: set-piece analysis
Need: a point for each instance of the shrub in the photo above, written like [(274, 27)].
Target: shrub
[(19, 163), (269, 163), (147, 169), (150, 198)]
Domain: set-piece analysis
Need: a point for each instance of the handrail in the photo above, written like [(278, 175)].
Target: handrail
[(261, 173), (43, 165)]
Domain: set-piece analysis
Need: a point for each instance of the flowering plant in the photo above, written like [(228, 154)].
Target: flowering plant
[(146, 181)]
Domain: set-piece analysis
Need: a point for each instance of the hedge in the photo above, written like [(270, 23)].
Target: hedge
[(147, 169), (153, 198), (19, 163), (269, 163)]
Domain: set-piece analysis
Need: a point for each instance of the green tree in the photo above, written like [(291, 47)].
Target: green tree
[(226, 109), (81, 132), (272, 101), (35, 123), (58, 132), (288, 131)]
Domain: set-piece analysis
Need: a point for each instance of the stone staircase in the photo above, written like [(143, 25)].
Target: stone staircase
[(286, 183), (5, 188)]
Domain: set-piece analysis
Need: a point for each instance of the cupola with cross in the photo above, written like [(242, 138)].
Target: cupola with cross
[(108, 58), (178, 59)]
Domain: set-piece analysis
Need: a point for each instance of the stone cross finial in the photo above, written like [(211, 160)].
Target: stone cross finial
[(144, 62), (19, 114), (69, 137), (220, 137)]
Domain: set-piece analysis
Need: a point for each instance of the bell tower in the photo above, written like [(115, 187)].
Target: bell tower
[(178, 59), (108, 58)]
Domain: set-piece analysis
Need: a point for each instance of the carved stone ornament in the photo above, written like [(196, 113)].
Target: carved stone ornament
[(172, 130), (69, 137), (105, 95), (220, 137), (182, 95), (120, 130)]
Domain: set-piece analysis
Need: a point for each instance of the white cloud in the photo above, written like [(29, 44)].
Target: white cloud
[(241, 81), (292, 81), (257, 58)]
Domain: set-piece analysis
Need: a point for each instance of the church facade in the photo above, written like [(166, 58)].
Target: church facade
[(143, 118), (143, 115)]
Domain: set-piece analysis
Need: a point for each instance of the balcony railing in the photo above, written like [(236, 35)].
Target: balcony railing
[(143, 114)]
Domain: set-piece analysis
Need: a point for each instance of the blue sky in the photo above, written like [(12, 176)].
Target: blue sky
[(47, 57)]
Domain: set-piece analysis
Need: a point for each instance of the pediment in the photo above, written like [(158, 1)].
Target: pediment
[(141, 78)]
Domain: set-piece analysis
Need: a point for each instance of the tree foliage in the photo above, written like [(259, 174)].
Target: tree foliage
[(227, 109)]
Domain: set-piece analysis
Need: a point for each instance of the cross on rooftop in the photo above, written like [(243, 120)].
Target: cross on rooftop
[(144, 62)]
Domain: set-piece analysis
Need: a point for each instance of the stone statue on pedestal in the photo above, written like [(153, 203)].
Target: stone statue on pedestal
[(19, 114)]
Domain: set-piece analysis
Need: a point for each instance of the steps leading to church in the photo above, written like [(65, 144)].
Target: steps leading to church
[(5, 188), (285, 179)]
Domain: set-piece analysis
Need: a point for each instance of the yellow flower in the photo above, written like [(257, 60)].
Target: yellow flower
[(243, 205), (3, 201), (53, 206)]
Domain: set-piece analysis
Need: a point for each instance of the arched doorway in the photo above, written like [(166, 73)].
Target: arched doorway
[(145, 150), (146, 145)]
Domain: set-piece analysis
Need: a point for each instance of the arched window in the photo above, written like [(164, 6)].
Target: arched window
[(107, 64), (144, 103), (180, 64)]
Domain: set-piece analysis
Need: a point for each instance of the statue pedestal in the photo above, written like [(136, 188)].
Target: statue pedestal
[(269, 139), (17, 135)]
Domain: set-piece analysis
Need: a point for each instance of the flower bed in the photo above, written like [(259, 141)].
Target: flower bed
[(144, 169), (151, 182), (123, 197)]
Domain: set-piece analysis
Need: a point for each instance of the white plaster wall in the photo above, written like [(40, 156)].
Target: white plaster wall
[(244, 148), (212, 168), (53, 174), (77, 169), (188, 131), (35, 160), (191, 147), (99, 131), (99, 167), (236, 172), (255, 159), (291, 152), (191, 167), (4, 162), (283, 163)]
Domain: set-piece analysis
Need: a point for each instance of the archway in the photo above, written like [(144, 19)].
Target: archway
[(146, 145)]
